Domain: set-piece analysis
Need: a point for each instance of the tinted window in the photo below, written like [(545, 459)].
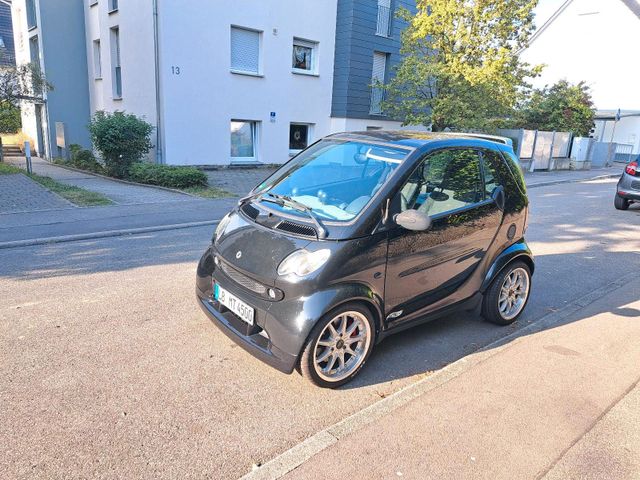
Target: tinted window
[(445, 181)]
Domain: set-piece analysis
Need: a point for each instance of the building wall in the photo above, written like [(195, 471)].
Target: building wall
[(627, 131), (134, 19), (356, 41), (63, 61), (199, 103)]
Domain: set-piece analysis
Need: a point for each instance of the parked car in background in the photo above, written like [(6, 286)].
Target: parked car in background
[(365, 234), (628, 189)]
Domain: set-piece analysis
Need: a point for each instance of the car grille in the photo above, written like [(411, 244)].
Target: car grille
[(242, 279), (296, 229), (635, 185), (251, 211)]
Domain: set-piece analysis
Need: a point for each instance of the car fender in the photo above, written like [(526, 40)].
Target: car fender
[(290, 324), (520, 249)]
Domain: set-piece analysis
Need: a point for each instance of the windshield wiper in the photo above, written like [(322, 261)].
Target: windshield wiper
[(290, 202)]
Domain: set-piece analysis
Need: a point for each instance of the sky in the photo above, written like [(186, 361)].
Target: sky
[(592, 41)]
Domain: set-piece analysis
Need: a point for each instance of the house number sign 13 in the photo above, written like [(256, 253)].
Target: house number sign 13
[(175, 70)]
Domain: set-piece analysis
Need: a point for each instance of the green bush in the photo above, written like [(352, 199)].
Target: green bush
[(84, 159), (166, 175), (122, 139)]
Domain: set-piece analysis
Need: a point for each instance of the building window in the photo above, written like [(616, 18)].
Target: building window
[(93, 2), (34, 51), (32, 21), (245, 51), (383, 27), (97, 60), (378, 75), (304, 56), (113, 5), (116, 69), (299, 136), (244, 137)]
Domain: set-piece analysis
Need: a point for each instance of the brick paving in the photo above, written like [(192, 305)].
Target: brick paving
[(238, 180), (18, 193)]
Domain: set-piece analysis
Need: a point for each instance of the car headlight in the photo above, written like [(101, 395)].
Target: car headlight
[(222, 225), (302, 262)]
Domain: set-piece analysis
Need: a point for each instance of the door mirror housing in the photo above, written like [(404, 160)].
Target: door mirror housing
[(413, 220)]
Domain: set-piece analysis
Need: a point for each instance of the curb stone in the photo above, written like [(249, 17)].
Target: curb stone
[(103, 234), (574, 180)]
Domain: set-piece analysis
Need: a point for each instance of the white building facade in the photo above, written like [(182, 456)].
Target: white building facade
[(223, 86)]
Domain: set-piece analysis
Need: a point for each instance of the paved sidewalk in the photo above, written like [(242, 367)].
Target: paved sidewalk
[(18, 193), (119, 193), (239, 181), (540, 178), (542, 403)]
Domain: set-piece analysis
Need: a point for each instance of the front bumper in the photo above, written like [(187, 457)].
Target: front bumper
[(249, 338)]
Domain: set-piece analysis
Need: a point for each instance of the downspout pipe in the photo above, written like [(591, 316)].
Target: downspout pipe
[(156, 52)]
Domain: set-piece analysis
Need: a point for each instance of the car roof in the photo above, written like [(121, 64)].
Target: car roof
[(418, 139)]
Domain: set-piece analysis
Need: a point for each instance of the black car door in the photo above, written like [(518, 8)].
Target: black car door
[(425, 267)]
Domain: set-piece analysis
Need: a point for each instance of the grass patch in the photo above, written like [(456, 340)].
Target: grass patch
[(208, 192), (9, 169), (76, 195)]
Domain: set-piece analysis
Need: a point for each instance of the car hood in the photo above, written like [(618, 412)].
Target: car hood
[(254, 249)]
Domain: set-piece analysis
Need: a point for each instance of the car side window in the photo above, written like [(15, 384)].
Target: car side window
[(490, 165), (445, 180)]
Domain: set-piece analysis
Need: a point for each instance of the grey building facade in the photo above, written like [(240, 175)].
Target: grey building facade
[(367, 50), (54, 38)]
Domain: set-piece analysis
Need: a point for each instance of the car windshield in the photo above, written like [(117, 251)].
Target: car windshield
[(334, 178)]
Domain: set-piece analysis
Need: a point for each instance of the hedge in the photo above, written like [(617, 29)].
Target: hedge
[(166, 175)]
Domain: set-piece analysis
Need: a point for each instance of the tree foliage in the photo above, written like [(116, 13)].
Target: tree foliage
[(561, 107), (10, 121), (121, 138), (22, 83), (460, 67)]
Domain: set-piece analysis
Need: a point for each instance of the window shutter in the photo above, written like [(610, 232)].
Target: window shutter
[(245, 50), (379, 67), (384, 3)]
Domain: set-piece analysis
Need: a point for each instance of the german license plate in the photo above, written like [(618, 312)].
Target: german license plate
[(233, 303)]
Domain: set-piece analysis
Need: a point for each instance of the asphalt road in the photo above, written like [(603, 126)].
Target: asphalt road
[(109, 369)]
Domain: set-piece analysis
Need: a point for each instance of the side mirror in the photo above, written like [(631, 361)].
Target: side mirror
[(498, 197), (413, 220)]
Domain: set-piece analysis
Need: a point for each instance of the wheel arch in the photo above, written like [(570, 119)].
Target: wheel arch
[(517, 251)]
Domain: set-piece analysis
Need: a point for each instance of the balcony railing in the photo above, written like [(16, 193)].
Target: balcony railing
[(383, 27), (377, 97)]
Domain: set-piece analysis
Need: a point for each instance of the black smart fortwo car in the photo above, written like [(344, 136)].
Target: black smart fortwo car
[(365, 234)]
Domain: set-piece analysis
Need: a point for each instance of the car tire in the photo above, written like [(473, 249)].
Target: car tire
[(620, 203), (322, 342), (495, 305)]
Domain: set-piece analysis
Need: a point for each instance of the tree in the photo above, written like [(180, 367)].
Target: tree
[(10, 121), (22, 83), (121, 138), (460, 67), (561, 107)]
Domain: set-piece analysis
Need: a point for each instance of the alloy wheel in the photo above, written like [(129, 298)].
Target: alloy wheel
[(342, 346), (513, 293)]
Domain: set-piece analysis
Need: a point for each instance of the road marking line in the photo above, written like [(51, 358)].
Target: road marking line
[(300, 453)]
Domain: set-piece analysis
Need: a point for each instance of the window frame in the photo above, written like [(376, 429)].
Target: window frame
[(238, 71), (97, 59), (294, 151), (255, 139), (113, 6), (314, 46), (458, 210), (116, 63)]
